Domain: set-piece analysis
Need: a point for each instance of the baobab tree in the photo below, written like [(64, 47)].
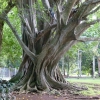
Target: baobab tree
[(49, 28)]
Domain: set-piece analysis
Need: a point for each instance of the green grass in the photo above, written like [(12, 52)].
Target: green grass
[(92, 90), (93, 85), (84, 80)]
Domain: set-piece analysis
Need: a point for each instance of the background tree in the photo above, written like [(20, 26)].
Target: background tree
[(49, 29), (11, 51), (5, 7)]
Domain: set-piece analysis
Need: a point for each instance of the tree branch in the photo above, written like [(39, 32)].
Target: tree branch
[(93, 11), (96, 1), (88, 39), (86, 7), (33, 15), (80, 29), (94, 21), (87, 2), (46, 4), (28, 15), (67, 10), (43, 32), (25, 21)]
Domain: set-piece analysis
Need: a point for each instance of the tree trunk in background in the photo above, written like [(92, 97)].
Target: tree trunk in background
[(99, 66), (3, 13), (63, 66), (93, 67), (79, 63), (68, 67), (1, 30)]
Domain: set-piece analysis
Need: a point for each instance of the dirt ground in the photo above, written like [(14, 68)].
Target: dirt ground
[(60, 95), (44, 96)]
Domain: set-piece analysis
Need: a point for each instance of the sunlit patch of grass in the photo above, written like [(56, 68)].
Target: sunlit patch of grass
[(92, 91), (84, 80), (93, 85)]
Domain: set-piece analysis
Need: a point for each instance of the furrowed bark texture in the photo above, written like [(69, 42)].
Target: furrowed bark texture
[(48, 34)]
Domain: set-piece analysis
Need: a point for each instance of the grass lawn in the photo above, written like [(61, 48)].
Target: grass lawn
[(93, 85), (84, 80)]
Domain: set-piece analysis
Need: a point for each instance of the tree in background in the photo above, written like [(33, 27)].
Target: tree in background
[(5, 7), (49, 28), (11, 50)]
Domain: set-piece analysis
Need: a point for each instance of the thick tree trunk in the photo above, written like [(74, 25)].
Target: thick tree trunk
[(45, 40), (42, 74)]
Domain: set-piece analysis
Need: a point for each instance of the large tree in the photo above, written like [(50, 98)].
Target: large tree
[(49, 28)]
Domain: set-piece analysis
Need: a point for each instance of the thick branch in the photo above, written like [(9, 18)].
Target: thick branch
[(33, 15), (28, 14), (96, 1), (93, 11), (83, 26), (25, 21), (43, 32), (68, 10), (88, 39), (51, 2), (25, 48), (94, 21), (86, 7), (46, 4), (93, 2)]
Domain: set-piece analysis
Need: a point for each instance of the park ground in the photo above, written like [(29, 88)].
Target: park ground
[(93, 92)]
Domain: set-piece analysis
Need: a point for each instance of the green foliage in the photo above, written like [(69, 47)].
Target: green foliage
[(88, 48), (3, 59), (3, 4), (93, 31), (87, 56), (10, 47)]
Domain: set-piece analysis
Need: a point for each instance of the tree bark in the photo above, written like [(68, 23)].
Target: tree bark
[(99, 66), (1, 29)]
